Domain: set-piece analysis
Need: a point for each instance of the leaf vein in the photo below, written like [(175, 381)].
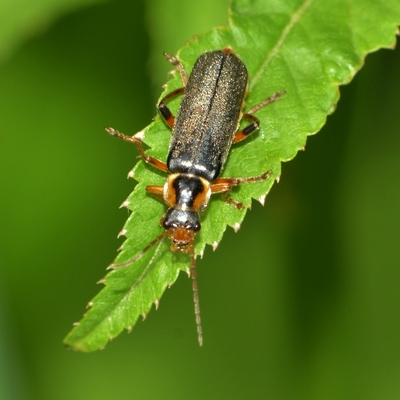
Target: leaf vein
[(295, 17)]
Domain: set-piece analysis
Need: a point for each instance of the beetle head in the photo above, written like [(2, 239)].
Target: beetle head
[(181, 226)]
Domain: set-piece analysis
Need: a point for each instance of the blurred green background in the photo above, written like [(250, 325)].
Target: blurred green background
[(302, 303)]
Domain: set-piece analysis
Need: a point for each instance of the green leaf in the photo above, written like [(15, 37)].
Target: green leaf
[(308, 48)]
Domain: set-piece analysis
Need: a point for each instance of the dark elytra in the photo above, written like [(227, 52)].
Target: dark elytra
[(208, 116)]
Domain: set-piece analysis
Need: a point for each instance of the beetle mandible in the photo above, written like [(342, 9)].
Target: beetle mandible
[(205, 128)]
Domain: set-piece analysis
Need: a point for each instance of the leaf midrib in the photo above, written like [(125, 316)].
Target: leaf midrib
[(127, 293), (292, 22)]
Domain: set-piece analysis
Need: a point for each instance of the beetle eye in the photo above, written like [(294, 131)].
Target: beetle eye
[(196, 227)]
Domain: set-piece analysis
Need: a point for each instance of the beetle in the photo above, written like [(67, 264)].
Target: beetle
[(206, 126)]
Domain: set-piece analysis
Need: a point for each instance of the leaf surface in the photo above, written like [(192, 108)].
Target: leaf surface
[(308, 48)]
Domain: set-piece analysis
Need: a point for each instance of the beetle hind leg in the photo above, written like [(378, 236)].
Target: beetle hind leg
[(271, 99), (239, 136), (165, 112), (162, 107), (176, 63), (255, 123)]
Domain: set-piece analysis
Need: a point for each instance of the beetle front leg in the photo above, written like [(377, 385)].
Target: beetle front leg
[(156, 191)]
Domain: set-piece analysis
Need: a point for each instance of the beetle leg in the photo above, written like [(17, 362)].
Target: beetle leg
[(255, 124), (276, 96), (239, 136), (234, 203), (224, 185), (157, 191), (225, 188), (165, 111), (176, 63), (155, 162)]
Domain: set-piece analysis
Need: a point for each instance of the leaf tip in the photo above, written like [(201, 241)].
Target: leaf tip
[(236, 227), (261, 199), (102, 280), (76, 323), (172, 73), (156, 304), (131, 174), (125, 204), (122, 233), (215, 245), (139, 135), (90, 304), (277, 179)]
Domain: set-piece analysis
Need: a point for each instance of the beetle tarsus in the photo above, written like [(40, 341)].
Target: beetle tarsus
[(176, 63)]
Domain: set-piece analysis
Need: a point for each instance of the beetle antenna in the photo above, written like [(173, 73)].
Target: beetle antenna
[(138, 256), (193, 275)]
